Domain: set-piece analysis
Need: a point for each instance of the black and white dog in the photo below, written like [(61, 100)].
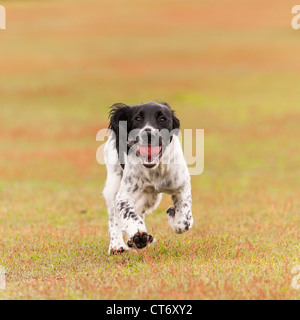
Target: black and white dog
[(144, 158)]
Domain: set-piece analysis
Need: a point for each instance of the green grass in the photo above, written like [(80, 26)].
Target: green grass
[(236, 77)]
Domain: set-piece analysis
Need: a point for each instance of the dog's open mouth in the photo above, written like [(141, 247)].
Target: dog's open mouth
[(149, 154)]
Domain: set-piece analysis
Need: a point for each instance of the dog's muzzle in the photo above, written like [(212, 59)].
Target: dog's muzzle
[(149, 148)]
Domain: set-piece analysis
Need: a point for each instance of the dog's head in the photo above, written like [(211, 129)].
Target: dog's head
[(147, 127)]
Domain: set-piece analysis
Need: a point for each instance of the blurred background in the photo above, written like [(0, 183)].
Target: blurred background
[(229, 67)]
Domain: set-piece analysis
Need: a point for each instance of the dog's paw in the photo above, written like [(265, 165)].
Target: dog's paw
[(117, 251), (140, 240), (179, 224)]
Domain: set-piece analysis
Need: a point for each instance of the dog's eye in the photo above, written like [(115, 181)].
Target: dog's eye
[(138, 118), (162, 119)]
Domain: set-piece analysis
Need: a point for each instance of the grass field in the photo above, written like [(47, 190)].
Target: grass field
[(230, 67)]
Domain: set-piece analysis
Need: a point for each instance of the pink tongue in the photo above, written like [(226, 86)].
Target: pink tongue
[(149, 151)]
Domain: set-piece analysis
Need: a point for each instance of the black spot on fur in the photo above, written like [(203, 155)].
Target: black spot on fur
[(171, 212)]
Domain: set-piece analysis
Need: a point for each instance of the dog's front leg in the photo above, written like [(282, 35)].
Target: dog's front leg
[(180, 216), (132, 223), (117, 244)]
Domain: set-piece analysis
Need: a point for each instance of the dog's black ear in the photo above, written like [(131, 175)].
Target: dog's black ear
[(119, 112), (176, 122)]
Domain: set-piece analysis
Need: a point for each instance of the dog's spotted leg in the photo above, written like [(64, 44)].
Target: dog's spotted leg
[(180, 217), (117, 244), (132, 222)]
